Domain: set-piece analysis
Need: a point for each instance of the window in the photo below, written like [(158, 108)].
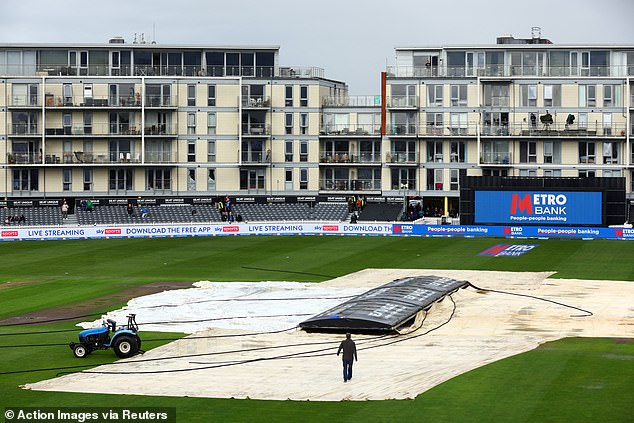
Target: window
[(288, 123), (87, 179), (252, 179), (67, 179), (552, 173), (211, 95), (454, 182), (211, 179), (434, 95), (404, 123), (303, 96), (496, 95), (191, 123), (528, 95), (458, 152), (24, 94), (303, 151), (303, 123), (610, 153), (552, 95), (211, 123), (211, 150), (552, 152), (435, 179), (583, 120), (67, 123), (288, 99), (191, 95), (403, 179), (191, 150), (303, 179), (528, 173), (434, 151), (607, 123), (607, 95), (586, 152), (611, 173), (191, 179), (528, 152), (67, 92), (87, 123), (459, 95), (587, 173), (458, 123), (25, 180), (288, 179), (159, 179), (288, 151), (120, 179), (434, 124), (587, 95)]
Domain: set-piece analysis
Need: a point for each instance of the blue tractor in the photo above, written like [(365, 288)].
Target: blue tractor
[(124, 340)]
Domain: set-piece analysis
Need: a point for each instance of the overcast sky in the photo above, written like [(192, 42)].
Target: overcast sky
[(352, 40)]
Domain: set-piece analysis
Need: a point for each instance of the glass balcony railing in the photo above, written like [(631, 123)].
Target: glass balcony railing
[(350, 130), (502, 157), (25, 129), (500, 70), (402, 101), (350, 185), (401, 157), (256, 101), (352, 101), (105, 129), (256, 129)]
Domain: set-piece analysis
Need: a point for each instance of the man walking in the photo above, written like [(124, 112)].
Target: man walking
[(349, 352)]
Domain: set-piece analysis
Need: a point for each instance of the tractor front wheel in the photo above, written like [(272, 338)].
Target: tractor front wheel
[(125, 346), (80, 350)]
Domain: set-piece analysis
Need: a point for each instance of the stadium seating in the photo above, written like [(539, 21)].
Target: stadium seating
[(35, 216)]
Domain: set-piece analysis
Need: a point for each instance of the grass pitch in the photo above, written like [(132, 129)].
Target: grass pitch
[(582, 380)]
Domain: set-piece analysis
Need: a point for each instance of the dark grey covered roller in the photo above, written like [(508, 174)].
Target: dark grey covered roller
[(385, 308)]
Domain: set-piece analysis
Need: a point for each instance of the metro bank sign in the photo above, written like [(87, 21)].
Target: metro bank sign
[(539, 207)]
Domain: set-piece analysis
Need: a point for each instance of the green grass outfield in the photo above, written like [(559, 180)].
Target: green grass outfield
[(580, 380)]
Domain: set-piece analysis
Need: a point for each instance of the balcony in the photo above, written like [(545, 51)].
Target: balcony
[(336, 157), (402, 158), (256, 102), (403, 130), (502, 157), (501, 70), (128, 101), (255, 157), (160, 101), (352, 101), (158, 157), (402, 102), (256, 129), (29, 129), (24, 158), (356, 185), (24, 101), (347, 130), (404, 185)]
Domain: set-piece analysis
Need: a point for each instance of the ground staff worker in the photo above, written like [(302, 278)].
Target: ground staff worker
[(349, 352)]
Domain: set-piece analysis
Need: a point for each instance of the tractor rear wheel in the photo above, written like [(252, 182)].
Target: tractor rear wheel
[(80, 350), (125, 346)]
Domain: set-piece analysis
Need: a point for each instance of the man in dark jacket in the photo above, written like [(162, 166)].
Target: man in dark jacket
[(349, 352)]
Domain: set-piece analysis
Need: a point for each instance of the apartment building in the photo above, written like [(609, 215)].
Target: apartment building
[(142, 119), (520, 107)]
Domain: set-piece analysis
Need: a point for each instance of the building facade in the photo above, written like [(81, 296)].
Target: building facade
[(141, 120)]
